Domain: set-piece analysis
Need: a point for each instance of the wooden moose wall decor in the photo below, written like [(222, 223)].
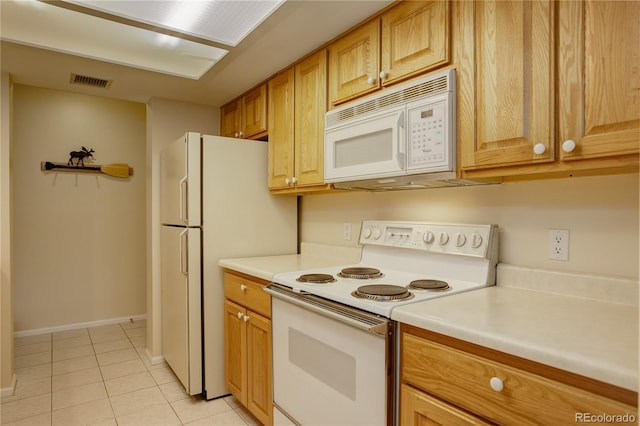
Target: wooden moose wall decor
[(121, 170), (80, 156)]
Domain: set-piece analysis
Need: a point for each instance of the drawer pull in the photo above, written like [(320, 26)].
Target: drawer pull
[(496, 384), (243, 287)]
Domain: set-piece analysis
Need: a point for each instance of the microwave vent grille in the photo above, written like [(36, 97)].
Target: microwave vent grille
[(398, 97)]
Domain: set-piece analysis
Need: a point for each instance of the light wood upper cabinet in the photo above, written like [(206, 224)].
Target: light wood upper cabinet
[(281, 130), (414, 38), (598, 78), (245, 117), (505, 83), (407, 40), (355, 63), (231, 119), (297, 101), (310, 108)]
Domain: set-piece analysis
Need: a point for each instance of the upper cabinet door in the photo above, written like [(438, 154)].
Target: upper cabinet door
[(281, 129), (598, 78), (354, 63), (415, 38), (254, 112), (511, 102), (311, 106), (231, 119)]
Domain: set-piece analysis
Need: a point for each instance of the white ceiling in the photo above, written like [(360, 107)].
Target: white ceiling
[(294, 29)]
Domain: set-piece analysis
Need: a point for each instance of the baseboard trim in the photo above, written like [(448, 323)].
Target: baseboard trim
[(75, 326), (8, 391), (153, 360)]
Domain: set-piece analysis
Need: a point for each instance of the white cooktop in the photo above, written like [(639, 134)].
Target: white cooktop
[(462, 255)]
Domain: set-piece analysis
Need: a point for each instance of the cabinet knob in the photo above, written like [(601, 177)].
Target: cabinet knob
[(496, 384), (371, 80), (243, 287), (287, 181), (236, 134), (539, 148), (240, 314), (245, 318), (241, 134), (383, 74), (294, 180), (568, 145)]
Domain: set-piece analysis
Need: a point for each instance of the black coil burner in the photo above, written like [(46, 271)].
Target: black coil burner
[(360, 273), (382, 293), (431, 285), (316, 278)]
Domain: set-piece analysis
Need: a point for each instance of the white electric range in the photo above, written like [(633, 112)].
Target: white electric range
[(332, 333)]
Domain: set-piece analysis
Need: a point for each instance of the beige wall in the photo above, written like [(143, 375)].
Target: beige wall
[(600, 212), (78, 239), (166, 121), (6, 311)]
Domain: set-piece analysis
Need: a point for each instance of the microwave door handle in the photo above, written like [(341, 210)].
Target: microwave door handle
[(401, 140)]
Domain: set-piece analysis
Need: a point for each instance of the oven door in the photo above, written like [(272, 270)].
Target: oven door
[(368, 148), (332, 365)]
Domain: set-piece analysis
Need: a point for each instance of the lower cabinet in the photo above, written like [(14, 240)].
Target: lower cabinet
[(421, 409), (447, 381), (247, 346)]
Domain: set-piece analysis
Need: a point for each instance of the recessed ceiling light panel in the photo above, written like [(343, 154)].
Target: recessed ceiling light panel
[(54, 28), (222, 21)]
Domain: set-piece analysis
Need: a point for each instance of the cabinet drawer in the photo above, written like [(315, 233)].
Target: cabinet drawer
[(464, 380), (247, 293)]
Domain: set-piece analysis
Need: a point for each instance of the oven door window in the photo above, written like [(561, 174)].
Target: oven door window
[(326, 372)]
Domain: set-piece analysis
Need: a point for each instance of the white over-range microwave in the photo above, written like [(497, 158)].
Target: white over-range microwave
[(403, 137)]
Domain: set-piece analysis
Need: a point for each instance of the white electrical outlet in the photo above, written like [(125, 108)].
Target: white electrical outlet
[(346, 231), (559, 244)]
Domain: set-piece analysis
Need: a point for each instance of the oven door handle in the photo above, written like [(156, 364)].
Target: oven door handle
[(374, 324)]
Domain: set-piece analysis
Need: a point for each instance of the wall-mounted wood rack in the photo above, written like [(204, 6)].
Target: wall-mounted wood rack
[(121, 170)]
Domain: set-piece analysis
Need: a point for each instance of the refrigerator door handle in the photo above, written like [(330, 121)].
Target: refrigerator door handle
[(184, 252), (184, 199)]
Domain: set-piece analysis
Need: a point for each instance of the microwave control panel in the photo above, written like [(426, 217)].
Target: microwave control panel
[(429, 141)]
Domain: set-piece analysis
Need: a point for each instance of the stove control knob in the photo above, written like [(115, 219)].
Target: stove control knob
[(428, 237), (366, 233), (460, 239), (476, 240), (444, 238), (376, 233)]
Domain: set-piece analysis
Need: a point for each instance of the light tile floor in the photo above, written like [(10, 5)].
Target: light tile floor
[(100, 376)]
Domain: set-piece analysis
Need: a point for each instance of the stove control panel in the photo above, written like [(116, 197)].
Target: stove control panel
[(446, 238)]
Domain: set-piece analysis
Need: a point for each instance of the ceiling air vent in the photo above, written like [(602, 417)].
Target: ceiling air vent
[(90, 81)]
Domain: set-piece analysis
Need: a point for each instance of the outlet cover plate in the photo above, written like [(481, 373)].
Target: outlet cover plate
[(559, 244)]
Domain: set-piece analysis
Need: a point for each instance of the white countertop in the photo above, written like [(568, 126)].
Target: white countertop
[(311, 256), (584, 324), (597, 338)]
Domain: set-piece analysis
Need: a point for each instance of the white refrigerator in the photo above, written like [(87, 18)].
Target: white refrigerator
[(214, 204)]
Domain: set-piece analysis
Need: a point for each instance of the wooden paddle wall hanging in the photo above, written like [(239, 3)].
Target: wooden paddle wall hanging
[(76, 165)]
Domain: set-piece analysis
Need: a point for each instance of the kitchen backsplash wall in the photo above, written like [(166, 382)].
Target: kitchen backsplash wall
[(78, 239), (600, 212)]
